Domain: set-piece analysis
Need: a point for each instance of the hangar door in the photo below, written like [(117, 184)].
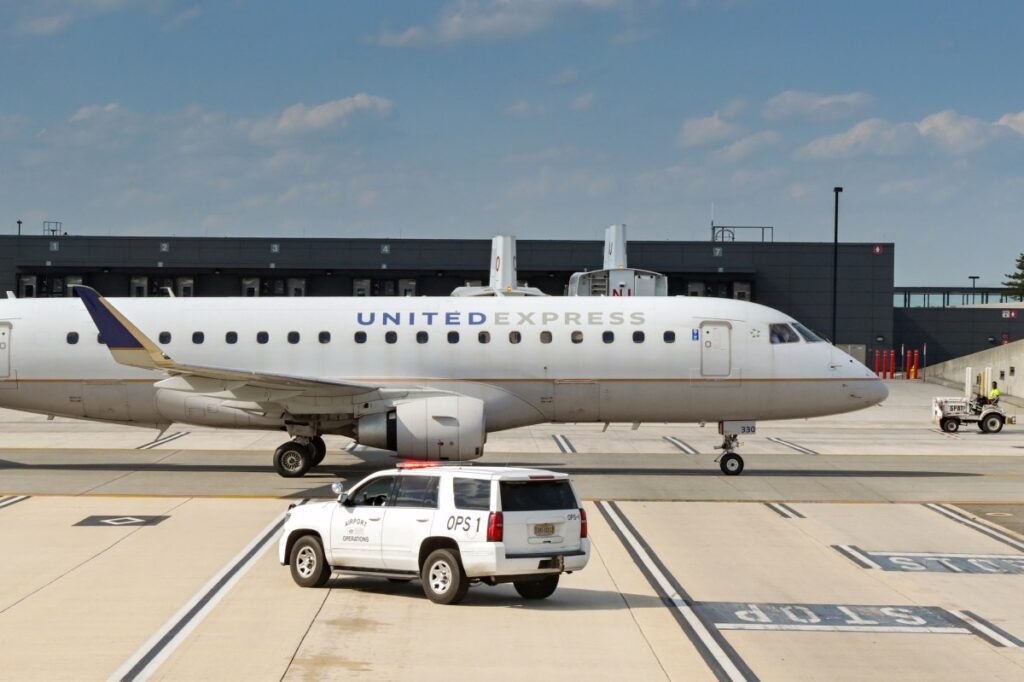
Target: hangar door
[(715, 349), (5, 350)]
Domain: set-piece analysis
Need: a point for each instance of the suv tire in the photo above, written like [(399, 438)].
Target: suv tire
[(308, 563), (537, 589), (444, 580)]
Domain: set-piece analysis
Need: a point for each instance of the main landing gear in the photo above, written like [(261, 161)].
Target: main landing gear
[(731, 463), (296, 457)]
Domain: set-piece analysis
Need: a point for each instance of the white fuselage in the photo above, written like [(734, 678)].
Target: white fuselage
[(596, 368)]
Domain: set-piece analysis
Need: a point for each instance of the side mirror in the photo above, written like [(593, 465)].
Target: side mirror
[(338, 488)]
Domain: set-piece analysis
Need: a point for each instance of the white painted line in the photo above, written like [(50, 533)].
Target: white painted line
[(564, 444), (842, 628), (858, 555), (160, 441), (151, 655), (986, 629), (784, 510), (682, 445), (794, 446), (959, 517), (680, 605), (8, 501), (950, 555)]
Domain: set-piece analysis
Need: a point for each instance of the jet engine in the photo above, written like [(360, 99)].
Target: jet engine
[(437, 428)]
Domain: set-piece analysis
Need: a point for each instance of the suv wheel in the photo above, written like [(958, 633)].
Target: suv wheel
[(444, 581), (537, 589), (308, 563)]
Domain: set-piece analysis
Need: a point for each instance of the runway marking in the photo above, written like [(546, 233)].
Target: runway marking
[(857, 555), (161, 441), (682, 445), (10, 501), (720, 656), (564, 444), (947, 435), (151, 655), (954, 514), (794, 446), (784, 510), (988, 631)]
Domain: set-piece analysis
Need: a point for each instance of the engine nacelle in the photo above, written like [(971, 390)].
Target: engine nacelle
[(438, 428)]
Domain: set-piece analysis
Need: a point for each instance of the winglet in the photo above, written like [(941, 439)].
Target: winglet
[(126, 343)]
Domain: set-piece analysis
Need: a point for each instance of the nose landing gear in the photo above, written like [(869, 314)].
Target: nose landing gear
[(729, 462)]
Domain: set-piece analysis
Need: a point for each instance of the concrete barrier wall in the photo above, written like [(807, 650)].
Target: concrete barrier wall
[(1007, 360)]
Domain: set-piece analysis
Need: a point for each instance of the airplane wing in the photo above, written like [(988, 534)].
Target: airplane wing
[(131, 347)]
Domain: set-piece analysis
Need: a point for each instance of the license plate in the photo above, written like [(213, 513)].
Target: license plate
[(543, 530)]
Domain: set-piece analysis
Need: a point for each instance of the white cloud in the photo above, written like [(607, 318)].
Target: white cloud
[(1014, 122), (873, 136), (955, 132), (734, 108), (700, 131), (300, 118), (798, 190), (44, 26), (797, 104), (745, 146), (488, 19), (759, 178), (582, 102), (523, 108), (182, 18), (566, 76), (94, 111)]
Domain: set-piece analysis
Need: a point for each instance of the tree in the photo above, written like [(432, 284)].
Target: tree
[(1015, 281)]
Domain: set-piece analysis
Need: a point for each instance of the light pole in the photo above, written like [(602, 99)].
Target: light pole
[(974, 285), (835, 264), (19, 227)]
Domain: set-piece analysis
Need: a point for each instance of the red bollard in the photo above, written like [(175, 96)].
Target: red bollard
[(892, 364), (877, 360), (907, 356), (917, 362), (885, 364)]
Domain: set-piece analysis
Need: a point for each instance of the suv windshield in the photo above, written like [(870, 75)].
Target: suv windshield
[(519, 496)]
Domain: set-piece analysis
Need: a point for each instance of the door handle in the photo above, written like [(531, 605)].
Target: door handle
[(423, 520), (374, 518)]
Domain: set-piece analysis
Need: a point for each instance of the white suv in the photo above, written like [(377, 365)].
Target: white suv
[(448, 526)]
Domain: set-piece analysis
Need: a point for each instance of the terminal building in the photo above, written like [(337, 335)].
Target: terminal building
[(794, 277)]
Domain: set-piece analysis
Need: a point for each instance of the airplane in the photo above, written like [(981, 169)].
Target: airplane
[(426, 378)]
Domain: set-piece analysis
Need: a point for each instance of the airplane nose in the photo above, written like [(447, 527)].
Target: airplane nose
[(876, 392)]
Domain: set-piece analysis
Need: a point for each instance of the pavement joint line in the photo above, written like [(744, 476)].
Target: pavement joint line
[(165, 439), (11, 501), (793, 446), (784, 510), (963, 519), (150, 656), (681, 444), (721, 657), (988, 630), (856, 555)]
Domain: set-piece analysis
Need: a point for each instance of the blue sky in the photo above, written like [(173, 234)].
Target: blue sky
[(542, 119)]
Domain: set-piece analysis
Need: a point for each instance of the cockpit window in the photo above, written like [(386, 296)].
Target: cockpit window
[(782, 333), (809, 336)]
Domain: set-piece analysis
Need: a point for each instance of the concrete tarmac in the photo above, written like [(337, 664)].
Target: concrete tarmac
[(893, 551)]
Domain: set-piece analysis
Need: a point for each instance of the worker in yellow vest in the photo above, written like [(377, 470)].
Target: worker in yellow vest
[(993, 395)]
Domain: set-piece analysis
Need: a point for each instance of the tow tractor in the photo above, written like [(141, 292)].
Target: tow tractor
[(971, 408)]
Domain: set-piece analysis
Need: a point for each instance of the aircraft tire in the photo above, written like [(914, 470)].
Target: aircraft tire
[(319, 448), (731, 464), (292, 460)]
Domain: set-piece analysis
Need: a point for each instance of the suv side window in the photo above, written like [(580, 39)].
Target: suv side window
[(416, 491), (472, 493), (376, 493)]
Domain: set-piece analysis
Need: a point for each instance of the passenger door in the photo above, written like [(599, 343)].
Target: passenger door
[(715, 349), (357, 525), (408, 522), (5, 352)]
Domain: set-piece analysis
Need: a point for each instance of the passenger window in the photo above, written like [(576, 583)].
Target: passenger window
[(670, 337), (293, 337), (608, 337), (638, 337), (782, 333), (373, 494), (165, 337), (325, 337), (422, 337), (72, 338), (576, 337), (453, 337), (472, 493), (360, 337), (545, 337), (231, 338), (514, 337), (391, 337), (484, 337), (99, 338), (198, 337), (262, 337), (417, 491)]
